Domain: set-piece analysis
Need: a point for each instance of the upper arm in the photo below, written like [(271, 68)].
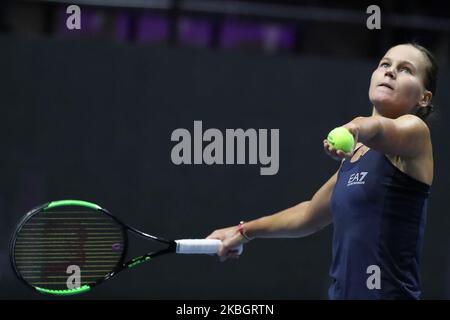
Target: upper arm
[(405, 136)]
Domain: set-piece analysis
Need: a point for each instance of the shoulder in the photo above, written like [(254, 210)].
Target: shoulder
[(414, 124), (393, 131), (419, 133), (405, 136), (418, 164)]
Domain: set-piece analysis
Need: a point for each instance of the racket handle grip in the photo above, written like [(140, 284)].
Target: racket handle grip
[(200, 246)]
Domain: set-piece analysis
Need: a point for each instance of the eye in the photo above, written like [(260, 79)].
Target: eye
[(384, 64), (405, 69)]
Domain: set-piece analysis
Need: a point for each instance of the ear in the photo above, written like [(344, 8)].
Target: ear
[(425, 98)]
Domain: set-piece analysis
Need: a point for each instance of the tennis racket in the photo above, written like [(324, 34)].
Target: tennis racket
[(67, 247)]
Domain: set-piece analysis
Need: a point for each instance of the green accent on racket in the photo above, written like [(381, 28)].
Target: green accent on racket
[(81, 203), (67, 292), (137, 261)]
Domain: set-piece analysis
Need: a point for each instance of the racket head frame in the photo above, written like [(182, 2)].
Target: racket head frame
[(121, 264)]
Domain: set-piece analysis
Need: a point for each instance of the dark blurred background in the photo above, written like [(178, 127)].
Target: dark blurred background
[(88, 114)]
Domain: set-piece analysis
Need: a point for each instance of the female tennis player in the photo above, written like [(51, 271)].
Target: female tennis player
[(377, 200)]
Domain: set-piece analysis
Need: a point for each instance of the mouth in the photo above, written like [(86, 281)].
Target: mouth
[(385, 84)]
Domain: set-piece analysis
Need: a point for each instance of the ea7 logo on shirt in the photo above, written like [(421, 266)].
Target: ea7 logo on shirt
[(357, 178)]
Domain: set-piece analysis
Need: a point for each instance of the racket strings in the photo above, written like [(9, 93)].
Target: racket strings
[(63, 249)]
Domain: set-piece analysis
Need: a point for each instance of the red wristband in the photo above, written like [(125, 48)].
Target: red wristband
[(241, 230)]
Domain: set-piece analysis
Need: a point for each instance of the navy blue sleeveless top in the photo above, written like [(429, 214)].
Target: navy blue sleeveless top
[(379, 216)]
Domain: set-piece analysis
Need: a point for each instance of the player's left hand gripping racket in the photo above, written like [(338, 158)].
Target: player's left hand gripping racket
[(67, 247)]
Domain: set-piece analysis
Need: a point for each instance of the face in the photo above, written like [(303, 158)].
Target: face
[(396, 86)]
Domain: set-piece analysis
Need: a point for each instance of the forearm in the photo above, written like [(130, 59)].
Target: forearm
[(404, 136), (367, 128), (290, 223)]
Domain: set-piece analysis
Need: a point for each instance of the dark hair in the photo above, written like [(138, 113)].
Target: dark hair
[(430, 80)]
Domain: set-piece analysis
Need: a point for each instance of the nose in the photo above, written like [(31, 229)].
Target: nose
[(390, 73)]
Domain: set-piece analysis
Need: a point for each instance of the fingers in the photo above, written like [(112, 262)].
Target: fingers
[(231, 254), (230, 249), (231, 242), (212, 236), (334, 153), (220, 234), (222, 251)]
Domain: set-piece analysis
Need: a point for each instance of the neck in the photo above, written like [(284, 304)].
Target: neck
[(375, 112)]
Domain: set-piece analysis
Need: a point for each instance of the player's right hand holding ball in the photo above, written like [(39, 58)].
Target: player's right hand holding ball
[(341, 142)]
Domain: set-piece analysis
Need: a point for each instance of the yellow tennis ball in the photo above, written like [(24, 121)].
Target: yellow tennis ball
[(341, 139)]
